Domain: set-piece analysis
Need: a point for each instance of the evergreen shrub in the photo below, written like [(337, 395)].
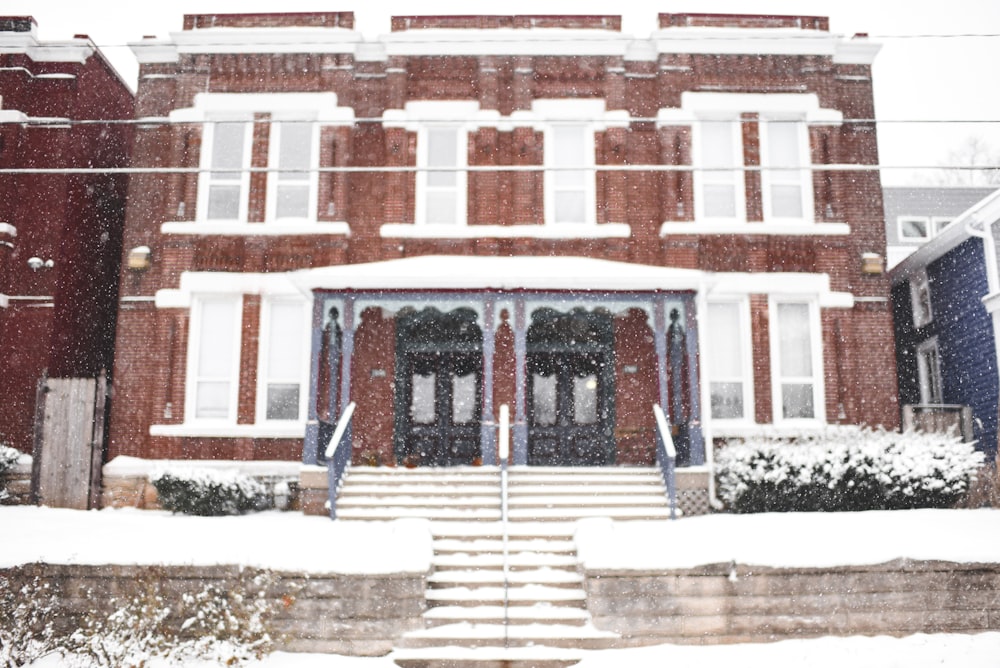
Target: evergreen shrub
[(845, 469), (209, 492)]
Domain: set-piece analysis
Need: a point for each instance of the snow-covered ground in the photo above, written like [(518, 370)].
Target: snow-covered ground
[(290, 541)]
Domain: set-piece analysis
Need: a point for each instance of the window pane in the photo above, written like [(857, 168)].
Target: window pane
[(570, 207), (293, 202), (227, 147), (295, 150), (283, 401), (442, 151), (726, 353), (463, 398), (422, 403), (285, 340), (223, 202), (720, 201), (797, 400), (585, 400), (569, 145), (212, 399), (913, 228), (795, 341), (786, 201), (727, 400), (543, 389), (441, 207), (783, 147), (717, 148), (215, 339)]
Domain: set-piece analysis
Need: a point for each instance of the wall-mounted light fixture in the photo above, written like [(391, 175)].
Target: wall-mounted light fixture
[(37, 264), (872, 263), (140, 258)]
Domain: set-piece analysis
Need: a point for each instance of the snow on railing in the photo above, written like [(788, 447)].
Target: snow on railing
[(338, 455), (503, 450), (666, 458)]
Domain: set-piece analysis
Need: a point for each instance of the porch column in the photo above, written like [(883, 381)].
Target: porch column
[(660, 338), (695, 434), (310, 445), (488, 434), (347, 353), (520, 428)]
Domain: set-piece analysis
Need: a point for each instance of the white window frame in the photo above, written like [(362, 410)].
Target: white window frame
[(924, 220), (311, 179), (586, 134), (939, 224), (205, 181), (194, 377), (745, 378), (816, 356), (929, 372), (921, 302), (800, 177), (461, 163), (703, 178), (264, 378)]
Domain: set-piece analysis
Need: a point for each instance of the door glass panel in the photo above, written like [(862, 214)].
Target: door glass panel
[(543, 389), (585, 399), (463, 398), (423, 398)]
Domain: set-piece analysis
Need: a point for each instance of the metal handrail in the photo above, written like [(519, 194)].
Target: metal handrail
[(666, 458), (503, 451), (339, 453)]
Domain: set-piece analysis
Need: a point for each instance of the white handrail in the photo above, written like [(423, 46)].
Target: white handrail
[(503, 449), (338, 433), (661, 424)]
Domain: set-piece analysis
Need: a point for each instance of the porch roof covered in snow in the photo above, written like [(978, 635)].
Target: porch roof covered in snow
[(465, 272)]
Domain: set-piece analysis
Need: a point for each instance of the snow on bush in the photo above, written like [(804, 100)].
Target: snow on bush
[(8, 457), (845, 468), (209, 492), (26, 628)]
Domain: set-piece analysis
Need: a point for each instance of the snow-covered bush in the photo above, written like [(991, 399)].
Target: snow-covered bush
[(26, 622), (8, 457), (845, 468), (209, 492)]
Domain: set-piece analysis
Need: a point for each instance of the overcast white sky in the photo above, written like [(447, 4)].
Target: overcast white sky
[(918, 77)]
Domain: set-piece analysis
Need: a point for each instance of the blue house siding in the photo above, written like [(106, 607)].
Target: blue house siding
[(964, 332)]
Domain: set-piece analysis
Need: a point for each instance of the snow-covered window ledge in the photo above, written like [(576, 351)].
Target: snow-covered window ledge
[(804, 229), (551, 231), (256, 229), (195, 430)]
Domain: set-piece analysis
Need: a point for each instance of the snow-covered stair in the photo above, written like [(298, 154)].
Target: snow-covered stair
[(479, 613)]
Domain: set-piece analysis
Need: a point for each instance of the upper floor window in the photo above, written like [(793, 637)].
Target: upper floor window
[(719, 181), (786, 182), (226, 154), (292, 184), (442, 181), (569, 182)]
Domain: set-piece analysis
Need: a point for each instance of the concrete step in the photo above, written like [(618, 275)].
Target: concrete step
[(393, 512), (535, 656), (550, 577), (354, 500), (553, 545), (562, 500), (516, 561), (533, 594), (554, 531), (592, 490), (570, 513), (470, 634), (496, 614), (407, 488)]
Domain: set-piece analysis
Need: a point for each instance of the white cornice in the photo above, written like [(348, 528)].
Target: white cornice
[(506, 42), (69, 51)]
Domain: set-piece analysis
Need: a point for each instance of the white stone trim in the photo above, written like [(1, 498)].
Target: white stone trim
[(795, 228), (240, 229), (8, 229), (4, 300), (793, 285), (506, 42), (268, 430), (769, 41), (547, 231), (194, 283), (322, 107), (695, 105), (68, 51)]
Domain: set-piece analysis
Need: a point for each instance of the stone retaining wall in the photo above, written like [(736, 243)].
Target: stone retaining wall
[(726, 603), (361, 615)]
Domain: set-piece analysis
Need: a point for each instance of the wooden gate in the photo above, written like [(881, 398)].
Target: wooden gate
[(69, 437)]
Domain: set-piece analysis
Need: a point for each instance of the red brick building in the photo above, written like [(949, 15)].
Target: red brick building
[(535, 211), (60, 231)]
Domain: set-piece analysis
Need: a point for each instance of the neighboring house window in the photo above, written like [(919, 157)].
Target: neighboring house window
[(442, 182), (726, 361), (920, 299), (292, 188), (719, 182), (283, 360), (795, 361), (921, 228), (213, 363), (938, 224), (929, 372), (224, 188), (786, 185), (569, 192)]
